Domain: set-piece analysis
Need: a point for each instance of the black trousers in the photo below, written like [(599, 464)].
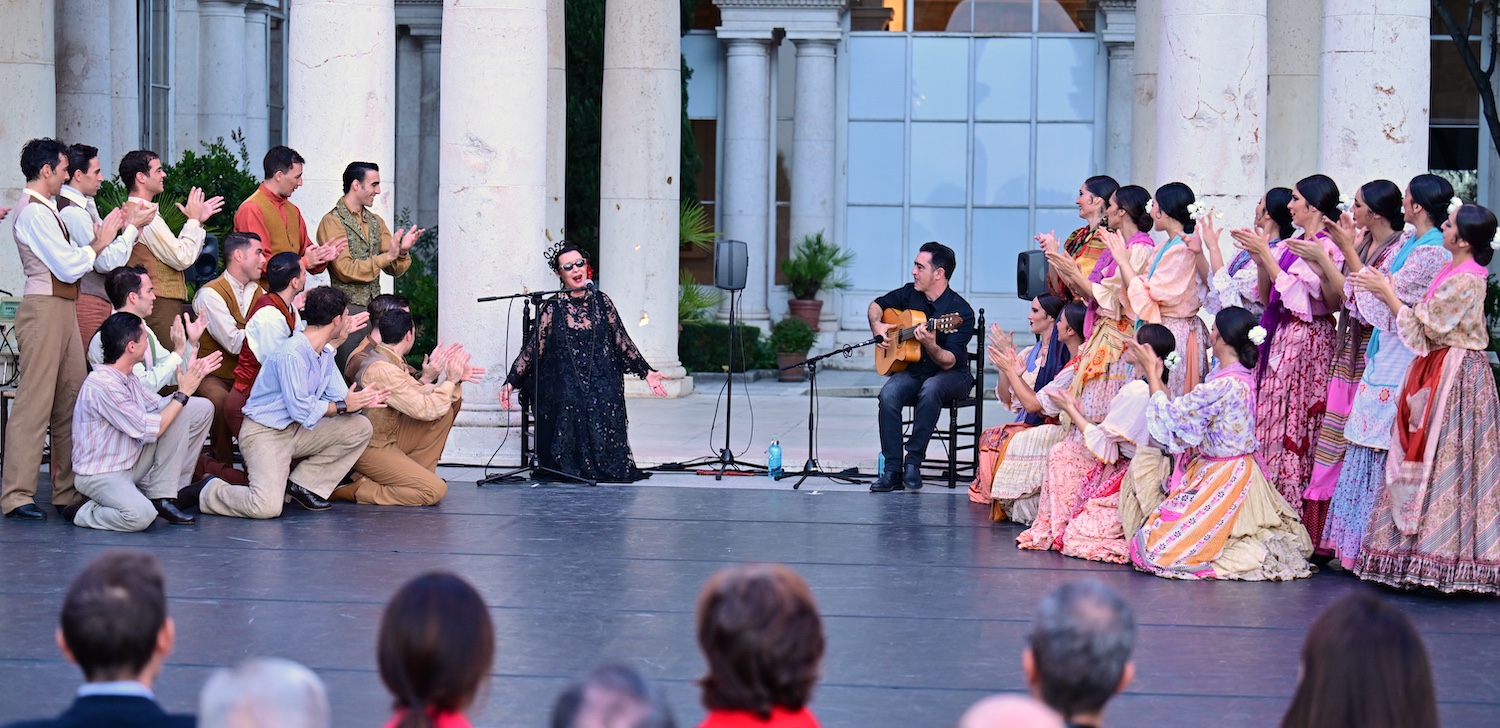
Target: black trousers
[(930, 395)]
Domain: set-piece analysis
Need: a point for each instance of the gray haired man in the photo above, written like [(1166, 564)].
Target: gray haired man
[(264, 692), (1078, 652)]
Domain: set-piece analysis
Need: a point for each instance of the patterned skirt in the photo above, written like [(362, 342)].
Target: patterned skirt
[(1068, 467), (1353, 501), (992, 446), (1343, 383), (1290, 402), (1192, 350), (1020, 469)]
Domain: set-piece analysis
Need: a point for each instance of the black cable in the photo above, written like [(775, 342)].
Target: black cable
[(510, 311)]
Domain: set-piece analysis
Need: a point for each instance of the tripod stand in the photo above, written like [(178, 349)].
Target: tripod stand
[(530, 462), (811, 468)]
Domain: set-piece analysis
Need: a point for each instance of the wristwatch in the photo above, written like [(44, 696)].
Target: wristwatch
[(340, 407), (180, 398)]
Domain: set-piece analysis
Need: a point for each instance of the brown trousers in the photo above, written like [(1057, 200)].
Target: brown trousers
[(403, 473), (217, 390), (52, 369), (92, 310)]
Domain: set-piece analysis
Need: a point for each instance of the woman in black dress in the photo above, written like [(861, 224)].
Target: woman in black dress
[(581, 354)]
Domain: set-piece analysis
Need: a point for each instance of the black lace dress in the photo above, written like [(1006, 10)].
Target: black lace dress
[(581, 353)]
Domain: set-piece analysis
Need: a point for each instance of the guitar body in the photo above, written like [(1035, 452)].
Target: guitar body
[(894, 357)]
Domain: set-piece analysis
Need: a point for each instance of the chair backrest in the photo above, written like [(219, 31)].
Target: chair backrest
[(976, 361)]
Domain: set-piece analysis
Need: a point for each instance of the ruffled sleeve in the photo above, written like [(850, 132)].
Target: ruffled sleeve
[(1059, 385), (1241, 288), (1110, 292), (1124, 428), (1183, 423), (1172, 287), (1452, 316), (1301, 287)]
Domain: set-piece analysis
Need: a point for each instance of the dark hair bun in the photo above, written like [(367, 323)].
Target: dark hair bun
[(1174, 198), (1234, 325), (1477, 226)]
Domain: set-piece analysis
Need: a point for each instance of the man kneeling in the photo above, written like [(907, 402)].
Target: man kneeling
[(299, 408), (133, 449)]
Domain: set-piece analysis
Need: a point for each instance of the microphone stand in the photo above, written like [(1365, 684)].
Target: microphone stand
[(530, 460), (811, 468)]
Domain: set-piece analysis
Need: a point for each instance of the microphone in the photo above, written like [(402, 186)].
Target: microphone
[(876, 339), (589, 285)]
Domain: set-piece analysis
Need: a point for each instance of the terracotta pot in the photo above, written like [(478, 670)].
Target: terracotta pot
[(808, 311), (797, 374)]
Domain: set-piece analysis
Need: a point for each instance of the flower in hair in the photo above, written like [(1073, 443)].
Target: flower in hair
[(1196, 210), (1258, 335), (1454, 204), (1344, 202), (1172, 361), (1150, 205), (1495, 244)]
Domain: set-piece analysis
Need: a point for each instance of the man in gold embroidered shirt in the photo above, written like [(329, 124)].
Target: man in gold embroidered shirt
[(371, 248)]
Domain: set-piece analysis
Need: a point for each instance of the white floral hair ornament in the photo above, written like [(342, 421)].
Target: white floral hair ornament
[(1197, 210), (1495, 244), (1150, 205), (1345, 202), (1172, 361), (1454, 204), (1258, 335)]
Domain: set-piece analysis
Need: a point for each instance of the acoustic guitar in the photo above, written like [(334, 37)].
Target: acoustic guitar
[(902, 347)]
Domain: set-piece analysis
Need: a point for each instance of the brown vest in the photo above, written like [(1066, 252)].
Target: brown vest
[(208, 344), (92, 282), (248, 366), (60, 289), (169, 281)]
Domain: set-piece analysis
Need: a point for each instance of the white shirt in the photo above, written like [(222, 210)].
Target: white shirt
[(210, 305), (267, 330), (158, 370), (81, 218), (177, 251), (37, 227)]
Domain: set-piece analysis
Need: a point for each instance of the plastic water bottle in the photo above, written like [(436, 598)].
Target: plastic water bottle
[(773, 460), (880, 463)]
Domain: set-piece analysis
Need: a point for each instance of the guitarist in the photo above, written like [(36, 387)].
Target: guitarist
[(939, 378)]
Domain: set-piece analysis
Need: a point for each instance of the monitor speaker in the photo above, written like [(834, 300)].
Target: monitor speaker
[(731, 262), (1031, 274)]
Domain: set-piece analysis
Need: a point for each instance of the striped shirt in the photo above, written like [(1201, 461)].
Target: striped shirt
[(114, 420), (295, 385)]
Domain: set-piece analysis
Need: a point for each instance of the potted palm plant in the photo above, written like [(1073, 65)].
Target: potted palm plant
[(815, 265), (791, 338)]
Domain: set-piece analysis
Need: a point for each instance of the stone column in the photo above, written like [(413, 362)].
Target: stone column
[(639, 192), (1375, 113), (257, 85), (125, 82), (1119, 38), (83, 102), (494, 190), (408, 126), (813, 153), (432, 155), (557, 119), (1210, 114), (222, 76), (341, 105), (185, 66), (1292, 104), (747, 129), (1143, 110), (27, 43)]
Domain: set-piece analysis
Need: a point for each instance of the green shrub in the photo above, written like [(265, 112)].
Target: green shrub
[(695, 302), (792, 335), (703, 346), (420, 286), (816, 265), (217, 171)]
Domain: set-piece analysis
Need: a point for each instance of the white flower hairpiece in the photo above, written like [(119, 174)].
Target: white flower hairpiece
[(1258, 335), (1344, 202), (1495, 244), (1454, 204), (1196, 210), (1150, 205), (1171, 361)]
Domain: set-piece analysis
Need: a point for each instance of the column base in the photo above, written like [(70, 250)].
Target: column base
[(478, 430), (676, 388)]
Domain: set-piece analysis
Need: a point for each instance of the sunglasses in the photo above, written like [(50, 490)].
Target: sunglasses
[(570, 266)]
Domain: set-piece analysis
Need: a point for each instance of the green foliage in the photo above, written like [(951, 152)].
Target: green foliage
[(695, 227), (689, 164), (816, 265), (792, 335), (420, 286), (112, 194), (703, 346), (584, 21), (694, 301)]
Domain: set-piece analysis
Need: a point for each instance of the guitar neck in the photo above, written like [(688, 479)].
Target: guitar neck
[(910, 332)]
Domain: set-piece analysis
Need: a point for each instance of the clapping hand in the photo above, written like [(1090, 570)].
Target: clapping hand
[(434, 363), (356, 321), (1311, 251), (1001, 345), (365, 398), (1048, 241), (1146, 358), (1374, 281), (197, 369), (198, 208), (138, 213), (1255, 242), (405, 242), (108, 229), (1342, 231)]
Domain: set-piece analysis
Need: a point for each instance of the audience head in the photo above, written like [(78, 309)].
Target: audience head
[(1078, 652), (285, 272), (283, 168), (1427, 199), (141, 173), (1129, 205), (1010, 711), (395, 329), (761, 634), (243, 255), (84, 172), (363, 179), (123, 334), (1381, 198), (1363, 666), (1070, 327), (435, 647), (1044, 312), (264, 692), (1313, 199), (324, 305), (1160, 340), (114, 622), (1231, 336), (129, 288), (45, 160), (1276, 209), (1094, 196), (612, 696), (1471, 227), (941, 258), (1172, 202)]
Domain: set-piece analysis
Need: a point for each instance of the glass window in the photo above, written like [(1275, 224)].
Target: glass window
[(999, 235), (877, 73), (1065, 79), (1002, 16), (939, 163), (940, 78), (876, 232), (1002, 164), (1066, 16), (943, 15), (1458, 10), (155, 59), (1060, 222), (875, 157), (1002, 79), (702, 53), (1455, 98), (877, 15), (1064, 159), (943, 224)]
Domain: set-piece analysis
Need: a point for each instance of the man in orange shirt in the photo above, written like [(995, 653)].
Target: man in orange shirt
[(270, 214)]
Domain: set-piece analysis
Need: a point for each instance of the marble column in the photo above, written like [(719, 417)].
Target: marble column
[(428, 174), (185, 70), (813, 153), (27, 45), (1210, 112), (341, 105), (1376, 71), (125, 82), (1143, 110), (494, 190), (639, 189), (257, 85), (557, 119), (746, 160), (84, 106), (222, 76), (408, 126), (1294, 83)]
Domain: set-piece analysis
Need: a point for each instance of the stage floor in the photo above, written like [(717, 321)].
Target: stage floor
[(925, 603)]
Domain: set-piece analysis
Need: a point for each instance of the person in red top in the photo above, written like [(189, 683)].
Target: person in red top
[(435, 648), (271, 321), (269, 213), (762, 637)]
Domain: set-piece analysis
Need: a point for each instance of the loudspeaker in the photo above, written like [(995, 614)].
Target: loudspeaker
[(1031, 274), (206, 268), (731, 262)]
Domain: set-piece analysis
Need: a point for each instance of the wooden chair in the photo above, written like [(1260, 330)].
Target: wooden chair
[(961, 436)]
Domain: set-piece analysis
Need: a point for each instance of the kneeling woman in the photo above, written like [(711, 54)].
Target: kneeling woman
[(1079, 511), (1223, 520)]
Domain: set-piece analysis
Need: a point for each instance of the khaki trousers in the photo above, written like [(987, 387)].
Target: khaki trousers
[(404, 473), (121, 501), (217, 390), (329, 449), (52, 369)]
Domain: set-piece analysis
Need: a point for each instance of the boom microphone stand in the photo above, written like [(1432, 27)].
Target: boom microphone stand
[(811, 468)]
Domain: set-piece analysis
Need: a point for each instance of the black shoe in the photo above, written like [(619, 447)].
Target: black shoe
[(887, 482), (306, 498), (59, 508), (169, 512), (71, 512), (912, 478), (28, 512), (187, 498)]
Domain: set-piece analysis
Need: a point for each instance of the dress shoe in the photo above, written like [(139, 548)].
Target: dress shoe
[(169, 512), (306, 498), (28, 512), (71, 512), (187, 498), (888, 481), (912, 478)]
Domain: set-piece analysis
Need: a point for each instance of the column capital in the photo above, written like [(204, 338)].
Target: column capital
[(736, 45), (1118, 23), (816, 43), (797, 18)]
